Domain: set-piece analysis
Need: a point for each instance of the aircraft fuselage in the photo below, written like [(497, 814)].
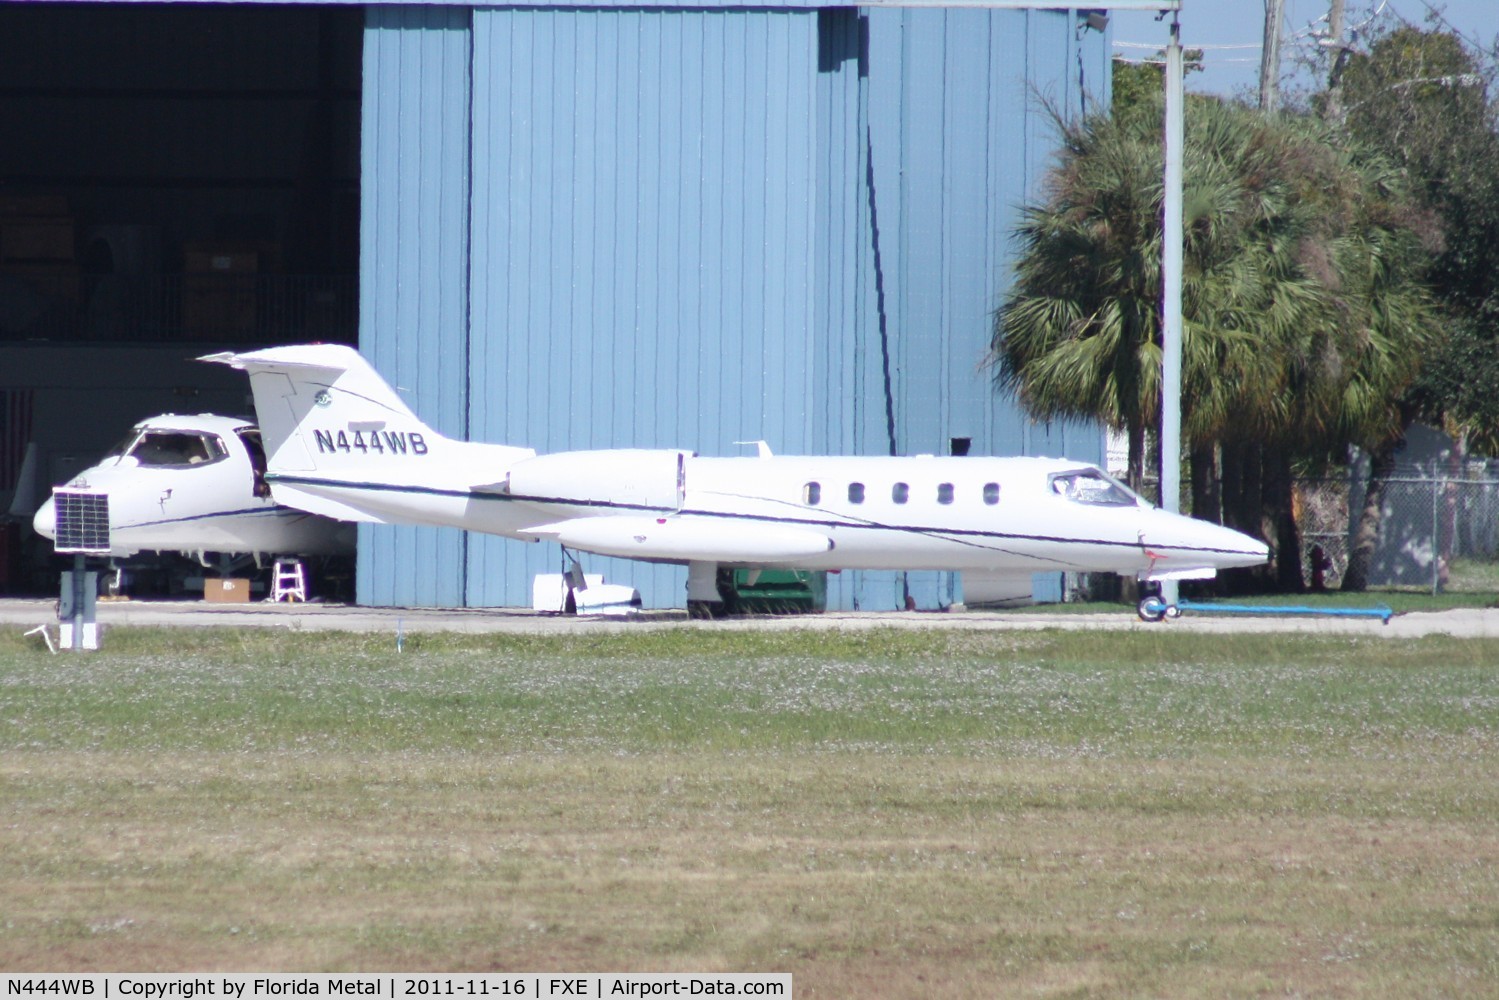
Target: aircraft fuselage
[(341, 443), (809, 512)]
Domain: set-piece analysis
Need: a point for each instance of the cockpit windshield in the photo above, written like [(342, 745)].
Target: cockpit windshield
[(1090, 486), (123, 445), (169, 448)]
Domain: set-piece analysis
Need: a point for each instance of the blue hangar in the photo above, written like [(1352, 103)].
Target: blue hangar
[(654, 225)]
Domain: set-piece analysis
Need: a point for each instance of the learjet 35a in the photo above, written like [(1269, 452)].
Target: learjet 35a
[(340, 442)]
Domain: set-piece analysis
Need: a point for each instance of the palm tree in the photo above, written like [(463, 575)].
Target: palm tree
[(1076, 337), (1301, 322)]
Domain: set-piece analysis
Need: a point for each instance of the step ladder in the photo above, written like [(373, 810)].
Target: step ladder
[(288, 581)]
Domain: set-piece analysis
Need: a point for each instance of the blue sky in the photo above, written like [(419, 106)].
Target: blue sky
[(1235, 70)]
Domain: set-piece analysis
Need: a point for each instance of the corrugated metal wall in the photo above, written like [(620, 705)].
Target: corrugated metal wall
[(694, 227), (956, 137), (414, 266), (642, 230)]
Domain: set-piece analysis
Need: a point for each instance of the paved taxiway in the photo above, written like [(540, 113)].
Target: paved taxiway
[(27, 614)]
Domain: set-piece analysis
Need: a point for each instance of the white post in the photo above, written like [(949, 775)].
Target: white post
[(1171, 291), (1437, 486)]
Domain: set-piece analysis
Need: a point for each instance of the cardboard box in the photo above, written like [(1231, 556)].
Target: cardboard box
[(49, 280), (218, 307), (33, 204), (226, 259), (227, 590), (232, 257), (36, 238)]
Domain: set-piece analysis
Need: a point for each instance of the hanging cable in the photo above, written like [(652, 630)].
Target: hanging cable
[(879, 289)]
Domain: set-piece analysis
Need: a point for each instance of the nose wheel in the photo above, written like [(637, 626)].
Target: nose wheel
[(1153, 609)]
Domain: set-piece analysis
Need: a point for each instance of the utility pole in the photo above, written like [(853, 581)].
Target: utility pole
[(1270, 57), (1338, 54), (1172, 238)]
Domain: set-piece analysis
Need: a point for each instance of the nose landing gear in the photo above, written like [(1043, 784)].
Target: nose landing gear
[(1153, 609)]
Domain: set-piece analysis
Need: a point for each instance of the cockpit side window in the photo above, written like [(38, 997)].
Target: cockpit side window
[(177, 448), (1092, 487)]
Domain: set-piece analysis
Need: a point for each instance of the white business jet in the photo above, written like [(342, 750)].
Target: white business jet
[(341, 443), (196, 485)]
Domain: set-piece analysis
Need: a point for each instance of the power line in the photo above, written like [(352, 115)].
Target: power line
[(1162, 62), (1149, 45), (1438, 15)]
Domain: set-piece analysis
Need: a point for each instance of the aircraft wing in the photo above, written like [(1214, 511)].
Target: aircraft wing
[(685, 539)]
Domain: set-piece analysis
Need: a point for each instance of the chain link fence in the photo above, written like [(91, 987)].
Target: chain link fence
[(1439, 528)]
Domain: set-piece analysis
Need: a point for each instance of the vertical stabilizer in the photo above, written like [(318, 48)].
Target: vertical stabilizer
[(340, 442), (322, 407)]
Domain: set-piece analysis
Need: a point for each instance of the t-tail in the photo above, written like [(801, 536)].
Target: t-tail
[(340, 442)]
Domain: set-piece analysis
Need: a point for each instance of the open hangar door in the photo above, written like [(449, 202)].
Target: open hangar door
[(175, 179)]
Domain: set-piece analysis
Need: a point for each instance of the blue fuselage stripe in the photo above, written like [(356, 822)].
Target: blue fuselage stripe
[(279, 509)]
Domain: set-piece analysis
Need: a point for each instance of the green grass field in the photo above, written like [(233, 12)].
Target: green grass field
[(883, 814)]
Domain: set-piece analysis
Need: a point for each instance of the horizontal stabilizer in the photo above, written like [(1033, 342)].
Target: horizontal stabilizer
[(279, 359), (685, 539), (292, 496)]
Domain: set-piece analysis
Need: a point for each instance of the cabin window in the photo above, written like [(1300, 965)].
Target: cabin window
[(171, 448), (991, 493), (1092, 487), (900, 492), (944, 492), (855, 492), (812, 494)]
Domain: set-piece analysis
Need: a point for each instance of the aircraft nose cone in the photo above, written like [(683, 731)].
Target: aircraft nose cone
[(44, 521), (1234, 548), (1215, 545)]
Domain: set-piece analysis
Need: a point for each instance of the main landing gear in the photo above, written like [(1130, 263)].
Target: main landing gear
[(1153, 609)]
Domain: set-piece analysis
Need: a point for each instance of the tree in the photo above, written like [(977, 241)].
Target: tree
[(1421, 99), (1302, 326), (1142, 82)]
